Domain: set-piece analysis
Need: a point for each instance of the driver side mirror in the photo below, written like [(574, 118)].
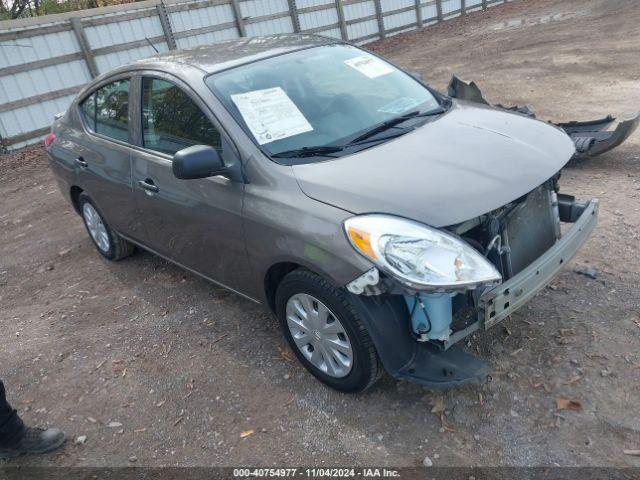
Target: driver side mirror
[(198, 161)]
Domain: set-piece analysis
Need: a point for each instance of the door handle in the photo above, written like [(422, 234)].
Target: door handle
[(82, 162), (148, 185)]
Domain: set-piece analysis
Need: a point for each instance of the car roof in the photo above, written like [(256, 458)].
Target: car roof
[(217, 56)]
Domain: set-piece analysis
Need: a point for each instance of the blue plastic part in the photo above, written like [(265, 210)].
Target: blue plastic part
[(403, 357), (432, 315)]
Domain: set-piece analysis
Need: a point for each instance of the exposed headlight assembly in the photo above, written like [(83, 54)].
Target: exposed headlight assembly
[(421, 257)]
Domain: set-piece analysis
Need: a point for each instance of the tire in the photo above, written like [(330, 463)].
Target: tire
[(364, 367), (108, 243)]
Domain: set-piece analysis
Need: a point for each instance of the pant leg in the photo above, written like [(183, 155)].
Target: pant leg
[(10, 424)]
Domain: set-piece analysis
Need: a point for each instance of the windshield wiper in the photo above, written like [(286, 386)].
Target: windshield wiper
[(327, 150), (392, 122), (308, 152)]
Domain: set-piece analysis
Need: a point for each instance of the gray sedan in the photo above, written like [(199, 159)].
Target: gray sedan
[(380, 220)]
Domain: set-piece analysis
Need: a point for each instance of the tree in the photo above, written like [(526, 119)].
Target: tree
[(14, 8)]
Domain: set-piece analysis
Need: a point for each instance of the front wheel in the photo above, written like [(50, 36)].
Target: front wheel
[(325, 332)]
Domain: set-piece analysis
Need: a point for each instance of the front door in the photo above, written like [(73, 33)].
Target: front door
[(197, 223)]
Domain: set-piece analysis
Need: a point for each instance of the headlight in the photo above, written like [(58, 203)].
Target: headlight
[(421, 257)]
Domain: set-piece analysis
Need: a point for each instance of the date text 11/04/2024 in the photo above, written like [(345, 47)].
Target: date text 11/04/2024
[(316, 472)]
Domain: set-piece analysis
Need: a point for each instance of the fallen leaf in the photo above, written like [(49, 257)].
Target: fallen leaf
[(564, 403), (445, 426), (284, 354), (246, 433), (573, 380), (437, 405)]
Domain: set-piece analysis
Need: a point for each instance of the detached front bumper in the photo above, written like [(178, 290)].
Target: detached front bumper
[(501, 301)]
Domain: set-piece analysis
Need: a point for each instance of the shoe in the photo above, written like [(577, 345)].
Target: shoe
[(34, 440)]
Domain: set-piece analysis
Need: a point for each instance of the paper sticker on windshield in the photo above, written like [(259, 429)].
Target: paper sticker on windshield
[(370, 66), (270, 114), (400, 105)]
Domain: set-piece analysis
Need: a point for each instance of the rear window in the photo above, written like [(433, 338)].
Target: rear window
[(106, 111)]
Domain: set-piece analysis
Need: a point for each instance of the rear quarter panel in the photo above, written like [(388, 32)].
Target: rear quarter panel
[(62, 157)]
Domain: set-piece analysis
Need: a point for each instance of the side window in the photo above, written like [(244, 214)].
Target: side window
[(89, 111), (106, 111), (172, 121)]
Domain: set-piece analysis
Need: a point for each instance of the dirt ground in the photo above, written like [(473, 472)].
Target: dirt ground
[(157, 367)]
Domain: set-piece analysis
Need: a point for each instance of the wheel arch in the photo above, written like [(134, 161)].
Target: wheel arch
[(74, 194), (272, 279), (276, 272)]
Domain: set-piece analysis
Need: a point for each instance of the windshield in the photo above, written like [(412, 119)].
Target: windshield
[(312, 101)]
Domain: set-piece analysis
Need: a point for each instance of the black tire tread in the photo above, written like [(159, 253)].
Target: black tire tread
[(122, 248)]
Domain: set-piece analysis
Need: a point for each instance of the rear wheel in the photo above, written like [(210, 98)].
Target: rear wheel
[(325, 332), (107, 242)]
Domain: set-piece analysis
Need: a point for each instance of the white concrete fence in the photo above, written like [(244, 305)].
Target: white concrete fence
[(45, 61)]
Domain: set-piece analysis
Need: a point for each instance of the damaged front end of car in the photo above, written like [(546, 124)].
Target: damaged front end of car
[(428, 291), (591, 138)]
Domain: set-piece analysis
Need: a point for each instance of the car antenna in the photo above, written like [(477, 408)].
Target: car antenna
[(151, 44)]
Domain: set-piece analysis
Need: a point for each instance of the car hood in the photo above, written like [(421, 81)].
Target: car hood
[(471, 160)]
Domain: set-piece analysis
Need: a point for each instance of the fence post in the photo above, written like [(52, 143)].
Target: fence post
[(166, 26), (439, 9), (76, 24), (463, 7), (293, 11), (341, 20), (380, 18), (239, 22), (484, 4), (418, 14)]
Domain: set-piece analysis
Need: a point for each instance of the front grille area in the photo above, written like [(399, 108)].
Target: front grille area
[(529, 230), (511, 237), (514, 235)]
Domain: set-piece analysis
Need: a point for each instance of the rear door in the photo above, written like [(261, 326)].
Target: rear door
[(197, 223), (103, 153)]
